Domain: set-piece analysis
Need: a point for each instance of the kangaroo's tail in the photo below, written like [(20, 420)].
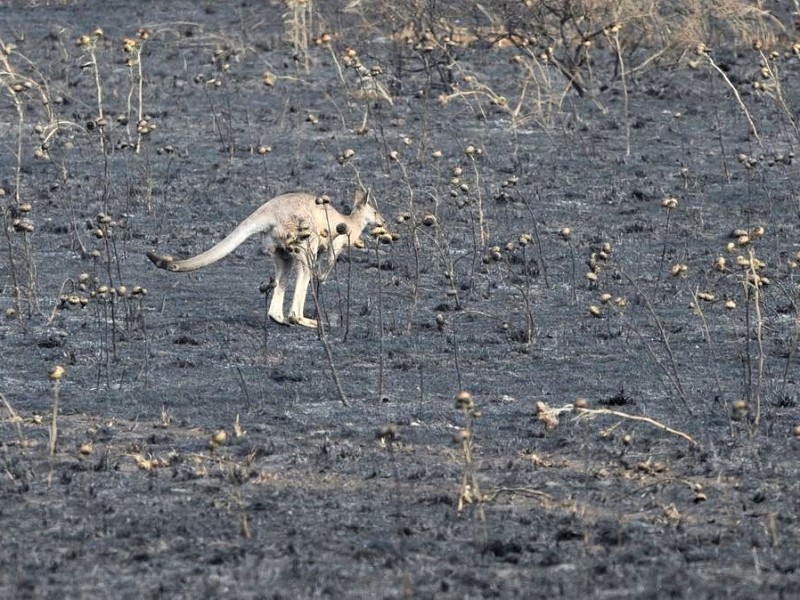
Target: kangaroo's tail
[(255, 223)]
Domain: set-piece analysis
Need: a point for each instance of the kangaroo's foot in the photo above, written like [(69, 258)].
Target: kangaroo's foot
[(304, 321), (278, 319)]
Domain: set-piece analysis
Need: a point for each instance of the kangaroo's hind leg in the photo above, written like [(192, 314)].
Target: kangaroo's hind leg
[(283, 265), (304, 273)]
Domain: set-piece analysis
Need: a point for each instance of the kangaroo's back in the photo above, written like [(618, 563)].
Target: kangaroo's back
[(289, 211), (278, 219)]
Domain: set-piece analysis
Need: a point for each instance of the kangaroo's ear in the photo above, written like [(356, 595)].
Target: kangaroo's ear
[(362, 196)]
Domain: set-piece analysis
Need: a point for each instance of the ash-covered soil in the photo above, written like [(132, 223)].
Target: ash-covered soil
[(399, 494)]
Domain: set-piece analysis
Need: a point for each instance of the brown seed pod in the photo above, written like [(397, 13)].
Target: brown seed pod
[(56, 373), (22, 225), (678, 269), (739, 409), (464, 400), (669, 203)]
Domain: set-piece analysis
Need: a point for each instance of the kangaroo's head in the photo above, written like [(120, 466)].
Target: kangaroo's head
[(364, 206)]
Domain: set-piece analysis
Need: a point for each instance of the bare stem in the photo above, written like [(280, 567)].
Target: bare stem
[(736, 95), (15, 419)]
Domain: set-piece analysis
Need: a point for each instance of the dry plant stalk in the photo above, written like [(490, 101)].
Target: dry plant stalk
[(671, 368), (469, 492), (89, 43), (613, 34), (483, 228), (549, 416), (17, 86), (133, 48), (752, 284), (703, 52), (297, 23), (700, 313), (55, 376), (323, 338), (14, 419), (639, 418)]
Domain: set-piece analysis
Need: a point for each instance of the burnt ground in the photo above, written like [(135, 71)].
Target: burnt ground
[(305, 499)]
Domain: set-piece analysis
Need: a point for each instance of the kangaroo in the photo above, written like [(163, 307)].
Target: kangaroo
[(296, 228)]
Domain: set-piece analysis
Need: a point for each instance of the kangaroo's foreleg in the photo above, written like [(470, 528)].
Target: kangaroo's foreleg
[(283, 265)]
